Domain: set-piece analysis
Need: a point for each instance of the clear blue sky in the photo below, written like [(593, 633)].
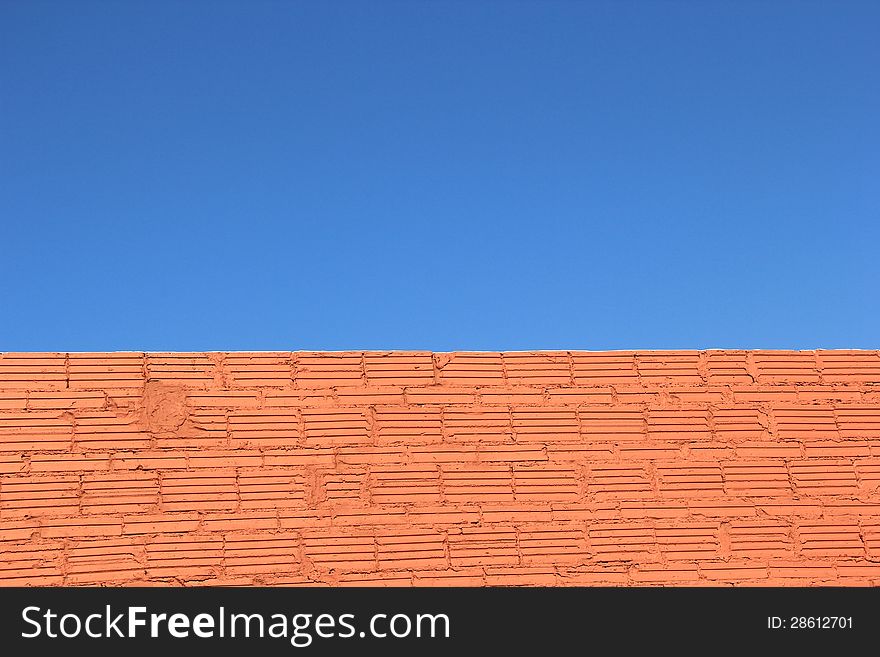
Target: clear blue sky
[(439, 175)]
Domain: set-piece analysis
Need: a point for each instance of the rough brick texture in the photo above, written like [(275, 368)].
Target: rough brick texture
[(475, 469)]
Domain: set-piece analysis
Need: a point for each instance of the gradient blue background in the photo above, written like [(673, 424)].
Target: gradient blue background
[(439, 175)]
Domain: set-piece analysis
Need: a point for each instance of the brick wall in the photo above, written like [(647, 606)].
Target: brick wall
[(564, 468)]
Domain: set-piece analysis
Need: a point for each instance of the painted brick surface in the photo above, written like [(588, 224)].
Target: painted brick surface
[(473, 469)]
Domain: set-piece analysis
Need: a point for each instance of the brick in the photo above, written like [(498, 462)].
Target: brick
[(11, 463), (405, 485), (574, 511), (850, 366), (223, 399), (412, 468), (39, 495), (345, 487), (722, 508), (808, 570), (300, 398), (698, 394), (369, 395), (613, 424), (507, 395), (126, 492), (594, 575), (620, 482), (97, 430), (105, 371), (858, 421), (789, 507), (17, 399), (728, 367), (825, 394), (264, 428), (93, 561), (69, 462), (543, 544), (202, 429), (837, 448), (650, 452), (824, 477), (328, 370), (442, 515), (457, 577), (476, 424), (520, 577), (516, 512), (478, 483), (830, 538), (477, 546), (161, 523), (33, 371), (511, 453), (787, 367), (341, 550), (368, 516), (643, 510), (420, 549), (405, 425), (266, 488), (623, 541), (769, 449), (367, 455), (259, 370), (261, 553), (188, 556), (805, 422), (199, 490), (336, 426), (576, 396), (149, 460), (71, 527), (678, 424), (678, 540), (189, 370), (545, 424), (579, 452), (604, 368), (384, 579), (761, 539), (302, 519), (469, 369), (740, 424), (36, 431), (64, 400), (440, 394), (765, 394), (637, 396), (543, 369), (756, 478), (733, 571), (444, 454), (669, 368), (678, 573), (17, 530), (399, 368), (304, 456)]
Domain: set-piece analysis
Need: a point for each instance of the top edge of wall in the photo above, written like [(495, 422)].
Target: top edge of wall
[(452, 351)]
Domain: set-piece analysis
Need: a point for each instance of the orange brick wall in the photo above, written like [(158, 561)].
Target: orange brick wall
[(563, 468)]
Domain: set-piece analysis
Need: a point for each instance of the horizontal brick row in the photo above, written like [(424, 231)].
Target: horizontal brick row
[(107, 371)]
